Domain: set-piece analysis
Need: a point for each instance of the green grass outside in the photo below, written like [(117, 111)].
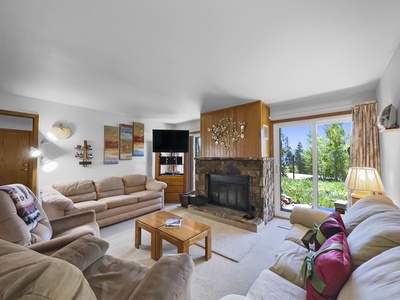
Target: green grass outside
[(301, 190)]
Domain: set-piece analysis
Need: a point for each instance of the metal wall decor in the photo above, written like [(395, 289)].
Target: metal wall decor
[(84, 153), (226, 132)]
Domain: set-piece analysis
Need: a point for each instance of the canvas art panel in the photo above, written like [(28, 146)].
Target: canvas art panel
[(138, 139), (125, 141), (111, 145)]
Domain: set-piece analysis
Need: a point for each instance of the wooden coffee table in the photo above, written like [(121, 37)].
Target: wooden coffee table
[(150, 223), (183, 237)]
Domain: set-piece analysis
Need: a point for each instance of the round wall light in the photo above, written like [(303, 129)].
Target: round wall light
[(59, 132)]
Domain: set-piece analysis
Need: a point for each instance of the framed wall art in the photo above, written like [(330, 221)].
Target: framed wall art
[(138, 139), (125, 141), (111, 145)]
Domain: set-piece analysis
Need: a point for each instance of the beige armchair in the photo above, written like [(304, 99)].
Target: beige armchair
[(23, 221)]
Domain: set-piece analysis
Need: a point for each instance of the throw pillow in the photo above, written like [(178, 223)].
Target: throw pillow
[(327, 270), (83, 252), (319, 234)]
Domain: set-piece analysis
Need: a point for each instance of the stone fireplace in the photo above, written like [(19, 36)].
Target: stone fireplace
[(258, 195)]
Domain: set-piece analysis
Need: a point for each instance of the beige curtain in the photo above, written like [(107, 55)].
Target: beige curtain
[(364, 150)]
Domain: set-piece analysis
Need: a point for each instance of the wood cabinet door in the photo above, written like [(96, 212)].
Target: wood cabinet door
[(15, 165)]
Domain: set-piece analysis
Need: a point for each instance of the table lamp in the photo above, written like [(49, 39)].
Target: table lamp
[(363, 182)]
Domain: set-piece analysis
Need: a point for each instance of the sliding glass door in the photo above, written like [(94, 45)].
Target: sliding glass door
[(311, 163)]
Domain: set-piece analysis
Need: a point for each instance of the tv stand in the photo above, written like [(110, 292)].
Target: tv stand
[(171, 169)]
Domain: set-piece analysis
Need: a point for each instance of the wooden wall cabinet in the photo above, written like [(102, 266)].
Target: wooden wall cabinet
[(173, 175)]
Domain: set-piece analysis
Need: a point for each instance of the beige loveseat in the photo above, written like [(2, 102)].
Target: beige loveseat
[(373, 228), (114, 199), (83, 270)]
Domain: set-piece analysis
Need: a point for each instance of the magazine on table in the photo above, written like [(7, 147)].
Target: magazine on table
[(173, 223)]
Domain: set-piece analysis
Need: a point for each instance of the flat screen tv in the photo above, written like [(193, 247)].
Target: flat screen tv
[(167, 140)]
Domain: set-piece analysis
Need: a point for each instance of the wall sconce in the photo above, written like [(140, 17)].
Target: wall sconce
[(225, 132), (59, 132), (48, 165), (83, 152)]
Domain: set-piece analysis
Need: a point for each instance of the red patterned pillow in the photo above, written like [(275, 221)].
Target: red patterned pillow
[(319, 234), (327, 270)]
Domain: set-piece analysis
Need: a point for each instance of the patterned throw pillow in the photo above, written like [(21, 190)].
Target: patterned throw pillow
[(327, 270), (319, 234)]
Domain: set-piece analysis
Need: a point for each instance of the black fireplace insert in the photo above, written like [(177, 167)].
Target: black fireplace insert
[(231, 191)]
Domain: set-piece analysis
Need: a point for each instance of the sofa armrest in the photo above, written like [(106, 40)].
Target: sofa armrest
[(155, 185), (68, 229), (307, 217), (54, 203), (83, 252), (168, 278), (73, 221), (53, 245)]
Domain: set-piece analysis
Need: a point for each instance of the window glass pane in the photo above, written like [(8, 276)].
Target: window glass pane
[(333, 162), (296, 167)]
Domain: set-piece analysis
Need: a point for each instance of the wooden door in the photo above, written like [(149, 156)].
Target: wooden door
[(15, 165)]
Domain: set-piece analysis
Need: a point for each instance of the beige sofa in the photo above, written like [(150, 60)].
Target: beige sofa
[(83, 270), (373, 228), (114, 199)]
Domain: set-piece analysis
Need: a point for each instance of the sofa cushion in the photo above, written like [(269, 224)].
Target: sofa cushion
[(288, 262), (146, 195), (378, 278), (271, 286), (365, 208), (108, 187), (117, 201), (134, 183), (373, 236), (77, 190), (83, 252), (97, 206), (327, 270), (320, 233)]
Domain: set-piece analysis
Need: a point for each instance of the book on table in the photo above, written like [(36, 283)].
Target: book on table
[(173, 223)]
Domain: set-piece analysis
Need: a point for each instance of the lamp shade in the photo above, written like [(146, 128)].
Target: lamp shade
[(48, 165), (34, 152), (364, 179)]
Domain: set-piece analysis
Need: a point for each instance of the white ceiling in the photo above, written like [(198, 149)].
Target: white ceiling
[(171, 60)]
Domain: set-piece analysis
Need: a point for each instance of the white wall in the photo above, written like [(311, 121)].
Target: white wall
[(86, 125), (324, 103), (388, 92), (192, 126)]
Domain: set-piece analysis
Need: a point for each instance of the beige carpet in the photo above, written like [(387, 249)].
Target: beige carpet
[(228, 241), (211, 279)]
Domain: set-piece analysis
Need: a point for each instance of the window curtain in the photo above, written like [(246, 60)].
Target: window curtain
[(364, 150)]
